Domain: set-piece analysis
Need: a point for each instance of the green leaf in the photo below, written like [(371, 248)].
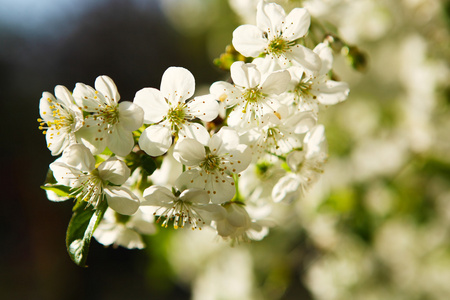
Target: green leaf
[(60, 190), (82, 225)]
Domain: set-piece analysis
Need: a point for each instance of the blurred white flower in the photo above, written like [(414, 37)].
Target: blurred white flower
[(279, 132), (226, 276), (305, 166), (237, 224), (120, 230), (310, 88)]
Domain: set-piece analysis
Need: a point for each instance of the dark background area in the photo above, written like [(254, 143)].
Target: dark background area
[(134, 45)]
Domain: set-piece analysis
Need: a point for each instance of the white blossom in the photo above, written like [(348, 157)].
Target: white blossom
[(251, 96), (309, 88), (279, 132), (170, 112), (189, 207), (237, 224), (276, 35), (211, 167), (76, 169), (121, 230), (110, 123), (305, 166), (60, 119)]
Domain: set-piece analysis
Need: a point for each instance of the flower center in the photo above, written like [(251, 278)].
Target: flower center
[(278, 46), (62, 119), (273, 134), (176, 115), (110, 114), (252, 95), (181, 212), (303, 88), (211, 163), (90, 189)]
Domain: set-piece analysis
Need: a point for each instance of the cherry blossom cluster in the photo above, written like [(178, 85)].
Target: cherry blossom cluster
[(252, 139)]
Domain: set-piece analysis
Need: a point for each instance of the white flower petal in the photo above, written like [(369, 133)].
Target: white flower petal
[(315, 141), (215, 144), (130, 239), (224, 91), (157, 196), (194, 131), (131, 116), (305, 57), (79, 157), (194, 195), (142, 223), (266, 65), (156, 140), (85, 97), (64, 174), (206, 108), (241, 157), (301, 122), (236, 119), (331, 92), (211, 212), (120, 141), (224, 228), (276, 83), (64, 95), (122, 200), (185, 180), (93, 136), (57, 140), (287, 189), (108, 233), (295, 160), (229, 139), (177, 85), (248, 40), (245, 75), (114, 170), (219, 187), (326, 55), (153, 104), (269, 17), (297, 24), (237, 216), (108, 88), (168, 172), (45, 111), (189, 152)]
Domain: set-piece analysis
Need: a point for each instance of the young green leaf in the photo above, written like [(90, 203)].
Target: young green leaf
[(61, 191), (82, 225)]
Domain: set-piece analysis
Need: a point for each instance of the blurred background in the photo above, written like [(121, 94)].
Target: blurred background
[(376, 226)]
